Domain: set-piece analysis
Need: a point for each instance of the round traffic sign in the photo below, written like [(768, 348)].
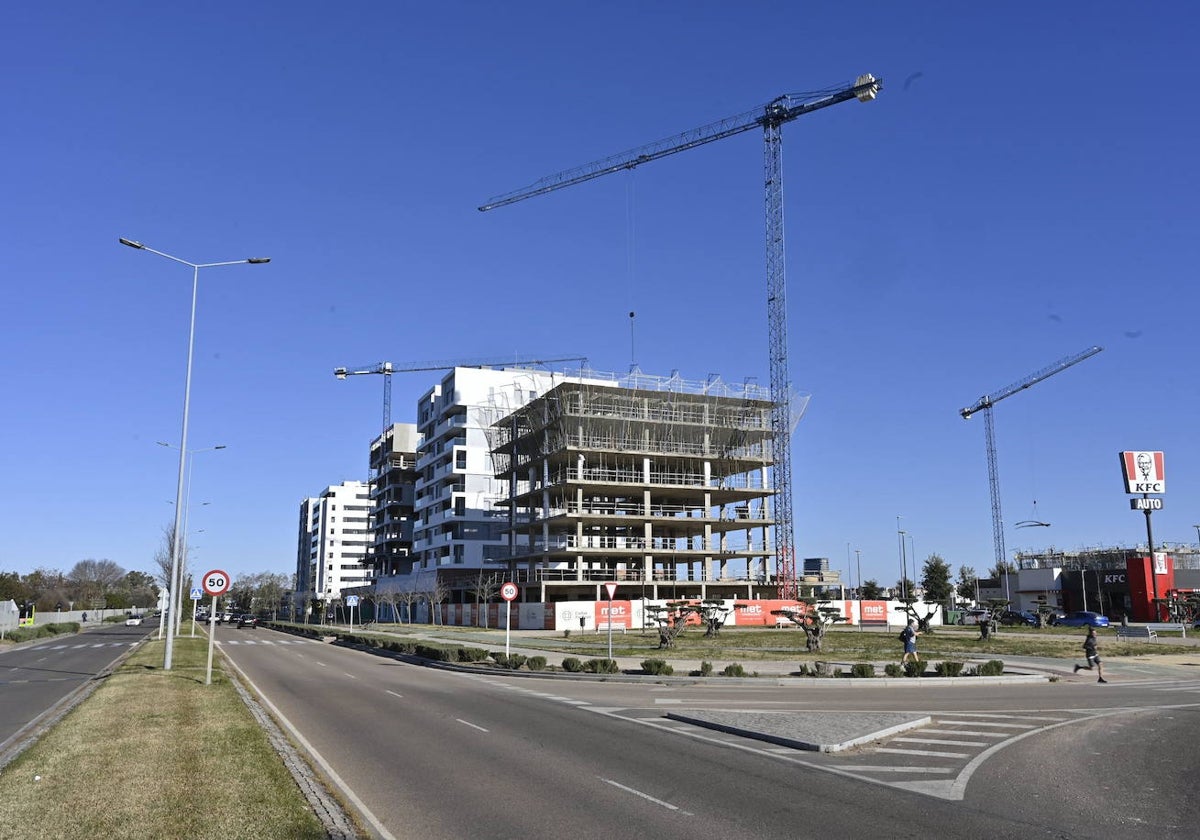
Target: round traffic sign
[(508, 591), (215, 582)]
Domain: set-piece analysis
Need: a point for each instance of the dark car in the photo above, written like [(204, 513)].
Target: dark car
[(1011, 618), (247, 620), (1083, 618)]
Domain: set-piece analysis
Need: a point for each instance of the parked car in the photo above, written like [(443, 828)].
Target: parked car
[(133, 621), (247, 620), (1083, 618), (1011, 618), (975, 617)]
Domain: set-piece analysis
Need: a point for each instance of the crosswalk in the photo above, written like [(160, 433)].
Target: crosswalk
[(267, 642), (82, 646)]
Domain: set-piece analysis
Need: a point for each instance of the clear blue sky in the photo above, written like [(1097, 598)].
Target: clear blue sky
[(1023, 188)]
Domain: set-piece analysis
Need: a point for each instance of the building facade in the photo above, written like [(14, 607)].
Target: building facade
[(658, 484), (393, 462), (334, 542)]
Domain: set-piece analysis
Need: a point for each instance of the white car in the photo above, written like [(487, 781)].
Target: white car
[(133, 621)]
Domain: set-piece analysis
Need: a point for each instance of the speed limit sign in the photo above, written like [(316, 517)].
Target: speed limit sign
[(508, 591), (215, 582)]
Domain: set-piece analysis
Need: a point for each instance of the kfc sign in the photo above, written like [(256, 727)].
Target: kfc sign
[(1143, 472)]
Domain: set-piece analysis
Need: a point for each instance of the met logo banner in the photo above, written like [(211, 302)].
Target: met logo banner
[(1144, 472)]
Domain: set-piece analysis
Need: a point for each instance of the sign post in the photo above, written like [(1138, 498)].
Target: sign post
[(197, 594), (215, 583), (1145, 473), (352, 602), (508, 591), (612, 590)]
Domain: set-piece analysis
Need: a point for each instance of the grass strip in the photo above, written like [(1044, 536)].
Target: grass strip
[(159, 754)]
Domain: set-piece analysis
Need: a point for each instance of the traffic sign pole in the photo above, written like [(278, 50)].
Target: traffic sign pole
[(508, 591), (215, 583)]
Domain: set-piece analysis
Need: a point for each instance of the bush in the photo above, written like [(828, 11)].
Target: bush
[(733, 669), (862, 670), (913, 669), (804, 670), (892, 670), (572, 665), (567, 633), (825, 669), (601, 666), (948, 669), (471, 654), (991, 668), (657, 668), (706, 669), (536, 663)]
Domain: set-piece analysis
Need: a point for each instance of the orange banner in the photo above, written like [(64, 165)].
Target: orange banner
[(621, 615)]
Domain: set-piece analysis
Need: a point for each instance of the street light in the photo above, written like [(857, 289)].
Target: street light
[(175, 613), (903, 562), (187, 394)]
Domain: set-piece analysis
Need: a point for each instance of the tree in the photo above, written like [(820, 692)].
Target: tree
[(484, 587), (968, 583), (813, 619), (12, 588), (1004, 567), (935, 579), (870, 590), (92, 580)]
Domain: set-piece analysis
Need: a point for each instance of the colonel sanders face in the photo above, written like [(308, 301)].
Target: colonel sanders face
[(1144, 465)]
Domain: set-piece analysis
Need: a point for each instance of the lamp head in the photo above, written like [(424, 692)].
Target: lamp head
[(131, 243), (258, 260)]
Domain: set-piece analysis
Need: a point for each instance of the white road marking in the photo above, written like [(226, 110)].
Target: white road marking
[(646, 796), (946, 742), (468, 723), (873, 768), (394, 694), (351, 676), (989, 723), (964, 732), (932, 753)]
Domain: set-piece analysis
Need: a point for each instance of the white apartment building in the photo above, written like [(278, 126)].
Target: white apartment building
[(334, 542), (457, 524)]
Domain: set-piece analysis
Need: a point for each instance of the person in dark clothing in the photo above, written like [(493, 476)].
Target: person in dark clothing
[(1089, 652), (909, 637)]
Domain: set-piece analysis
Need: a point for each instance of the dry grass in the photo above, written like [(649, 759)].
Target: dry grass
[(156, 753)]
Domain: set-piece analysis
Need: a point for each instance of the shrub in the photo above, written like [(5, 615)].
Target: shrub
[(733, 669), (892, 670), (706, 669), (948, 669), (991, 668), (913, 669), (567, 633), (536, 663), (472, 654), (657, 668), (804, 670), (862, 670), (825, 669), (601, 666), (572, 665)]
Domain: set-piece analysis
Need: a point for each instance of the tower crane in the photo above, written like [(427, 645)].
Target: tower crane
[(770, 118), (985, 404), (386, 369)]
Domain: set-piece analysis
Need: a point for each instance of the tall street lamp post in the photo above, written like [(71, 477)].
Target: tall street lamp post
[(175, 614), (187, 395)]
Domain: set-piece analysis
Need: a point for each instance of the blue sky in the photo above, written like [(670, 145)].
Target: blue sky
[(1023, 188)]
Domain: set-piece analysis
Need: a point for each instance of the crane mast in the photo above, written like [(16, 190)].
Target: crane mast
[(985, 405), (771, 118)]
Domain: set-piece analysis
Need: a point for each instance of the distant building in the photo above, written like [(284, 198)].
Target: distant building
[(334, 542)]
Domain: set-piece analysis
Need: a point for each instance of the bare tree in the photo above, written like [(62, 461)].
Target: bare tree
[(439, 593), (484, 587), (409, 598)]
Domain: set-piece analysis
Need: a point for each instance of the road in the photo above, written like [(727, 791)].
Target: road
[(35, 678), (432, 754)]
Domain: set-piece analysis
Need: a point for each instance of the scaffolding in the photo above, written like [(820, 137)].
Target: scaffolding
[(657, 481)]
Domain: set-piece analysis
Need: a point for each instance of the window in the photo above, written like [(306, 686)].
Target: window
[(460, 459)]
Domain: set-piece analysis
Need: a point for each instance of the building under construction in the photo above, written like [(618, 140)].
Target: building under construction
[(660, 485)]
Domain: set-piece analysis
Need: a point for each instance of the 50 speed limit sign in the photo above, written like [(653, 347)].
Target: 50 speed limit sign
[(215, 582), (508, 591)]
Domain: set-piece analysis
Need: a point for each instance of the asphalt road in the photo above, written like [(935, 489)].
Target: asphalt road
[(35, 678), (432, 754)]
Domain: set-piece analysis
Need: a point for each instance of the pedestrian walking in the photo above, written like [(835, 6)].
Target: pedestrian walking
[(909, 636), (1089, 652)]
